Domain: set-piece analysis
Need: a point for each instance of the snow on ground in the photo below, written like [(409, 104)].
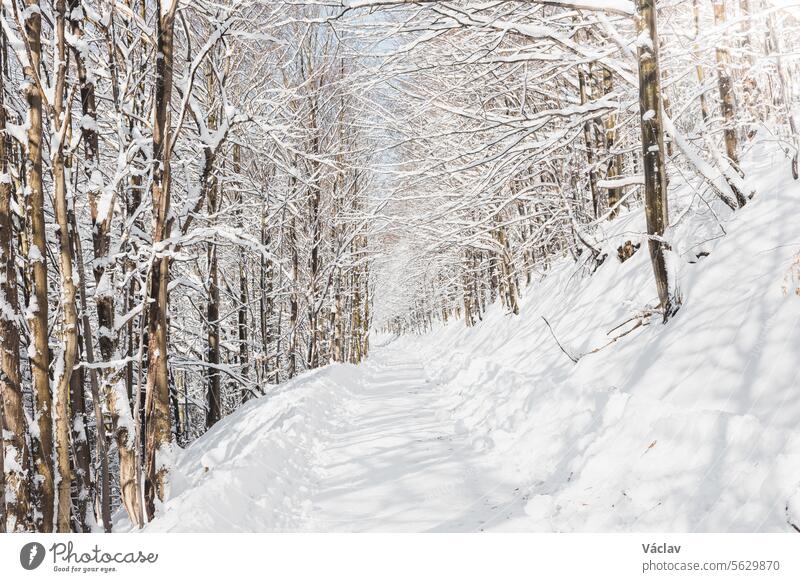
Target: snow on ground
[(254, 470), (692, 426)]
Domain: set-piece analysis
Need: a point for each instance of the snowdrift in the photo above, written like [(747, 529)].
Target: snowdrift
[(254, 470), (689, 426)]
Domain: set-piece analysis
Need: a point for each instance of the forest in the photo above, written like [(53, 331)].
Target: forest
[(202, 201)]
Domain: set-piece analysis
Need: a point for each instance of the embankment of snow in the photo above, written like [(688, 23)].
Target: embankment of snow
[(689, 426), (256, 469)]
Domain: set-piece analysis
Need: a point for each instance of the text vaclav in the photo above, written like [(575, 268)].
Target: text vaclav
[(660, 549)]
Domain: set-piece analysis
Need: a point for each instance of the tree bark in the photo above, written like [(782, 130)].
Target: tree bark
[(588, 142), (699, 67), (270, 364), (13, 424), (727, 99), (614, 160), (213, 395), (787, 90), (244, 292), (69, 314), (101, 444), (158, 432), (293, 300), (82, 456), (38, 351), (656, 210)]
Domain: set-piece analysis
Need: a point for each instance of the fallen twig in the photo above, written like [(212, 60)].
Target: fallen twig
[(639, 323), (570, 356)]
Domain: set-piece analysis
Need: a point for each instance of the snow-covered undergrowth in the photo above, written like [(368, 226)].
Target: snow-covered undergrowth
[(689, 426)]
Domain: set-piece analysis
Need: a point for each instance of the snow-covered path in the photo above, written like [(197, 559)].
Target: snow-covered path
[(372, 447), (398, 464)]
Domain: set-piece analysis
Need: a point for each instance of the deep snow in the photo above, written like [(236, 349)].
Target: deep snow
[(689, 426)]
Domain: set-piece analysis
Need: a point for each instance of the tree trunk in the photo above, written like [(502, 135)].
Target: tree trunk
[(69, 313), (13, 424), (101, 445), (656, 210), (314, 260), (727, 99), (509, 284), (293, 301), (244, 293), (466, 291), (3, 519), (82, 453), (270, 364), (38, 351), (786, 92), (337, 317), (749, 85), (158, 435), (213, 395), (588, 142), (367, 321), (355, 316), (699, 67), (614, 160)]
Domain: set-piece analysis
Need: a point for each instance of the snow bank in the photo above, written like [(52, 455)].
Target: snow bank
[(256, 469), (692, 426)]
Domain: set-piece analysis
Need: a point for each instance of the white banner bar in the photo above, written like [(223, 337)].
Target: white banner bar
[(401, 557)]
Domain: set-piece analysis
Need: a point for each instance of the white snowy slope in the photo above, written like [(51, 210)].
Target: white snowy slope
[(689, 426)]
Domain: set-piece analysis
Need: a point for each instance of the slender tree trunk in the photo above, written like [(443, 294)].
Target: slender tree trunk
[(588, 142), (466, 291), (355, 317), (786, 89), (367, 321), (84, 491), (698, 66), (13, 424), (293, 301), (69, 313), (101, 443), (727, 99), (244, 301), (210, 192), (3, 513), (8, 317), (656, 210), (244, 292), (38, 352), (614, 160), (337, 318), (314, 267), (478, 284), (213, 394), (509, 284), (266, 303), (748, 83), (101, 225), (158, 431), (82, 454)]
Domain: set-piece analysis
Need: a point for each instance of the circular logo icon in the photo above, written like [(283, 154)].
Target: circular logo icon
[(31, 555)]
